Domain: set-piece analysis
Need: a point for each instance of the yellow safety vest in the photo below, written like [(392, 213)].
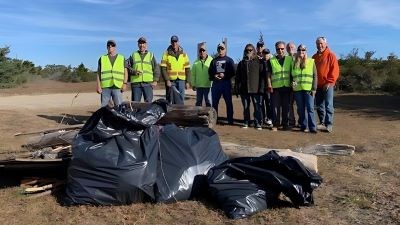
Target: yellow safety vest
[(144, 66), (112, 74), (304, 77), (281, 74), (175, 67)]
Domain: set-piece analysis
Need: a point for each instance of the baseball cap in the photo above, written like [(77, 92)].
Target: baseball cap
[(174, 38), (260, 44), (142, 40), (221, 45), (111, 42), (265, 51)]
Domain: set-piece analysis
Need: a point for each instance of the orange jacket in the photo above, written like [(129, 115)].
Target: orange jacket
[(327, 67)]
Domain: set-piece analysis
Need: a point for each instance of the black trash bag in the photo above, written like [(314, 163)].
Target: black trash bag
[(185, 153), (114, 161), (271, 173), (237, 196), (291, 177), (124, 117)]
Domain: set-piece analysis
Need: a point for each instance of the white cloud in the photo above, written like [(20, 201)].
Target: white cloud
[(384, 13), (360, 12)]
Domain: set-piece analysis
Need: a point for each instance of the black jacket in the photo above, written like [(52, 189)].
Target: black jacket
[(250, 77)]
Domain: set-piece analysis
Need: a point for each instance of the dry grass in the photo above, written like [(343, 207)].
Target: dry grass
[(359, 189)]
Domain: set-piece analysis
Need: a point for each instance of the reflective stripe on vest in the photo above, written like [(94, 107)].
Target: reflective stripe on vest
[(144, 66), (175, 67), (112, 74), (280, 74), (304, 77)]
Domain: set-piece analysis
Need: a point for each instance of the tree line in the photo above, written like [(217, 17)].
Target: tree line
[(364, 74), (14, 72), (369, 75)]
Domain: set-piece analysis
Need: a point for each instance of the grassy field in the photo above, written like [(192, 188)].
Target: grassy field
[(359, 189)]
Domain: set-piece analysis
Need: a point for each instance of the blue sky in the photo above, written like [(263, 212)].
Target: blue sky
[(69, 32)]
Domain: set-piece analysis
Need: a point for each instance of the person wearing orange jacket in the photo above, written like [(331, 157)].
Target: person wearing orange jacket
[(328, 72)]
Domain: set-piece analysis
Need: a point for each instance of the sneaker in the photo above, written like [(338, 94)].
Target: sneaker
[(313, 131), (245, 126), (321, 126), (329, 128), (258, 127), (268, 122), (304, 130)]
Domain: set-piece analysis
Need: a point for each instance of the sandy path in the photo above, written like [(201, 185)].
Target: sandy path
[(62, 100)]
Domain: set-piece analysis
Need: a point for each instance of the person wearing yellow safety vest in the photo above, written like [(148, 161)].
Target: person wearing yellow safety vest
[(175, 69), (112, 76), (200, 82), (291, 51), (278, 84), (304, 76), (144, 72)]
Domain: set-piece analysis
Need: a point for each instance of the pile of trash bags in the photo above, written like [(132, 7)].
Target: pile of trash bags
[(121, 156)]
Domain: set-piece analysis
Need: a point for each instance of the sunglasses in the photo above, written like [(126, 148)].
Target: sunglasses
[(249, 50), (301, 50), (202, 50), (110, 45), (221, 48), (280, 48)]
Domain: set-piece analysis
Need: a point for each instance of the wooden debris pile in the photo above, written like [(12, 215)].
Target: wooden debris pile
[(35, 187)]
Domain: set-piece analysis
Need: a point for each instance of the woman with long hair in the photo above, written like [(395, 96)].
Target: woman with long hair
[(249, 83), (304, 83)]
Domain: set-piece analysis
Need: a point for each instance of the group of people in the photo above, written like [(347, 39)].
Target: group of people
[(272, 83)]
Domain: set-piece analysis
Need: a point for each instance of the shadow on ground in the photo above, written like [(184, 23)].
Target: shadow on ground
[(67, 119), (376, 106)]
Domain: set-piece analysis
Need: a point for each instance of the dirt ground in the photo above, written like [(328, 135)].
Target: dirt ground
[(360, 189)]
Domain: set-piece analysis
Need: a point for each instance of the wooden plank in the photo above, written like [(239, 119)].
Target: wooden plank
[(52, 139), (72, 127), (329, 149)]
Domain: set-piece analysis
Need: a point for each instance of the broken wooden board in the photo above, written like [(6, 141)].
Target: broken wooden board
[(328, 149), (51, 130), (190, 116), (58, 138)]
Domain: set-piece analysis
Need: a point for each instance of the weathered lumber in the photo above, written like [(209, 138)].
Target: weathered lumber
[(52, 130), (52, 139), (54, 189), (329, 149), (190, 116)]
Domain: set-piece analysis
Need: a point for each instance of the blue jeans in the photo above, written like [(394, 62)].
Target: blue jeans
[(142, 89), (256, 99), (223, 88), (266, 108), (108, 93), (202, 93), (305, 106), (180, 85), (324, 102), (280, 104)]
